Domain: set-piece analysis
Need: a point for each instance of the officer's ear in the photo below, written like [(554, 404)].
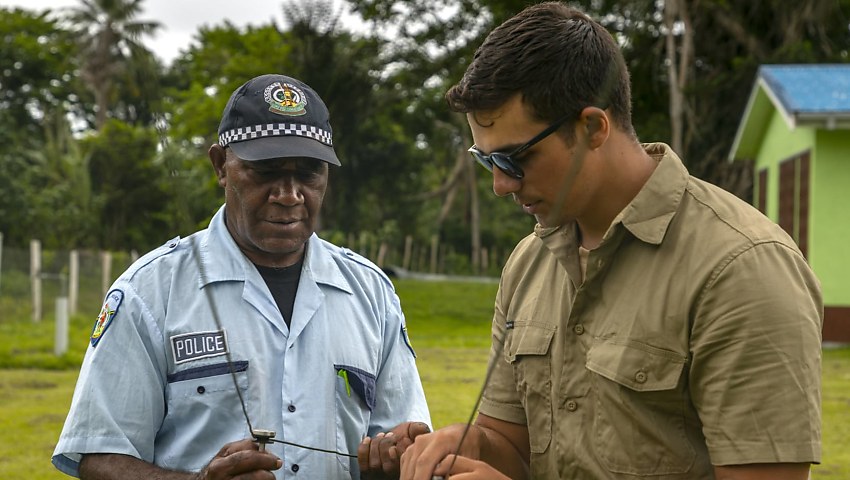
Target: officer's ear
[(596, 125), (218, 156)]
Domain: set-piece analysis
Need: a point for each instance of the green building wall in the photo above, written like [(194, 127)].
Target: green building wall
[(829, 202), (829, 216)]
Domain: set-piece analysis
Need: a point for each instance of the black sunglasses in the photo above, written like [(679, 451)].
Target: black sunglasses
[(507, 161)]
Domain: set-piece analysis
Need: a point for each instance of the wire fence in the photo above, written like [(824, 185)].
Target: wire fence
[(31, 281)]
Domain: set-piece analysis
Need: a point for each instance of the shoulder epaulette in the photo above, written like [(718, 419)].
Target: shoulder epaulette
[(147, 258)]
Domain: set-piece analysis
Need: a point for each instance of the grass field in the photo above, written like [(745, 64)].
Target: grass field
[(449, 324)]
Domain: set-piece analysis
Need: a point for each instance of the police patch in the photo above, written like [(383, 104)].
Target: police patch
[(107, 313), (285, 99), (407, 339), (192, 346)]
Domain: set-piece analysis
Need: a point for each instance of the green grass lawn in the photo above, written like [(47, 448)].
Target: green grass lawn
[(449, 324)]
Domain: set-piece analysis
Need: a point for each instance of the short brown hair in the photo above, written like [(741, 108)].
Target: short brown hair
[(558, 58)]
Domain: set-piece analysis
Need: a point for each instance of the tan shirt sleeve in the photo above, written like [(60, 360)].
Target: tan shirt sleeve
[(755, 378), (501, 399)]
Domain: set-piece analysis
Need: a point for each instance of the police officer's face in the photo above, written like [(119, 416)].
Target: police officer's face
[(272, 206)]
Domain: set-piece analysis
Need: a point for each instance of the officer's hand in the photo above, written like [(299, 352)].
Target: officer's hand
[(463, 468), (241, 458), (379, 457)]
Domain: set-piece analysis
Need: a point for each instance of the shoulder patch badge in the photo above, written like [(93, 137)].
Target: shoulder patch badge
[(107, 313), (285, 99), (407, 339)]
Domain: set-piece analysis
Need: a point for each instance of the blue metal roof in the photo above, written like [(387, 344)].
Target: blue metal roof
[(815, 88)]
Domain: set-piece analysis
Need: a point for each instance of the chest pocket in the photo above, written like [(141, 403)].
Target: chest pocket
[(203, 409), (527, 350), (639, 423)]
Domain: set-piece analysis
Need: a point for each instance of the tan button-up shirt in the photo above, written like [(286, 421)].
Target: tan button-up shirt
[(693, 340)]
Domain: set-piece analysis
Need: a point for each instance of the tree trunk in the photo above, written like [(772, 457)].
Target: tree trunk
[(676, 73)]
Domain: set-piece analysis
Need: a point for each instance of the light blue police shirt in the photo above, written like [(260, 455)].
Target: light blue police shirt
[(155, 383)]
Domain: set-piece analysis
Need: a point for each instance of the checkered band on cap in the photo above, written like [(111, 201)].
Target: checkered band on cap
[(275, 130)]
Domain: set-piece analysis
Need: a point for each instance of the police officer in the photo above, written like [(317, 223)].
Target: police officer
[(253, 323)]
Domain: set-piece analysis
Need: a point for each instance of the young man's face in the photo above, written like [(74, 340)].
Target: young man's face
[(272, 206), (550, 188)]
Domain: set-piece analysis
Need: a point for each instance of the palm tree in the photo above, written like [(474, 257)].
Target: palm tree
[(110, 38)]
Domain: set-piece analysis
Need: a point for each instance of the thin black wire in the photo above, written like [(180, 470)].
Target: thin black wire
[(491, 366), (575, 168), (214, 311), (163, 138), (216, 319), (312, 448)]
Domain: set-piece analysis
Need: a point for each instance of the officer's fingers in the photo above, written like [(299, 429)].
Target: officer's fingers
[(417, 428), (413, 430), (390, 463), (363, 453), (242, 462), (237, 446), (375, 461)]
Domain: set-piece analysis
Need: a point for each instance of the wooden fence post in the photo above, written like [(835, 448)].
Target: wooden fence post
[(408, 252), (382, 254), (421, 257), (35, 279), (373, 250), (60, 345), (106, 271), (435, 246), (73, 281), (363, 244)]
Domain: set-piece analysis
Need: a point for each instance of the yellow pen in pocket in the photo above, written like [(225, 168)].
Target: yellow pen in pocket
[(344, 374)]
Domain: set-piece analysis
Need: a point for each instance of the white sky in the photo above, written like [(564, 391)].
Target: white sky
[(180, 19)]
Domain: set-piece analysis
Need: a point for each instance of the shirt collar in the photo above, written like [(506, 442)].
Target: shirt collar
[(649, 214), (221, 260)]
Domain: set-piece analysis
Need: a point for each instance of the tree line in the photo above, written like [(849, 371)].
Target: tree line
[(103, 146)]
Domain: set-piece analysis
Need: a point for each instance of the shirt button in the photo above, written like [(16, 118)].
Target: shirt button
[(291, 408), (201, 389), (295, 467), (572, 405), (578, 329), (640, 376)]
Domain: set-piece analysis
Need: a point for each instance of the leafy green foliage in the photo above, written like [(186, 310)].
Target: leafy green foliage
[(114, 64), (127, 181), (397, 139), (37, 56)]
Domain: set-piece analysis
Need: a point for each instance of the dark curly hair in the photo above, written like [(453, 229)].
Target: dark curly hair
[(558, 58)]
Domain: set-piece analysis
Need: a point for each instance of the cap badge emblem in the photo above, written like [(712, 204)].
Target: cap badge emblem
[(285, 99)]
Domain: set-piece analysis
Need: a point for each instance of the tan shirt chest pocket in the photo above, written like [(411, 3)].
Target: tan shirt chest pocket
[(641, 415), (527, 349)]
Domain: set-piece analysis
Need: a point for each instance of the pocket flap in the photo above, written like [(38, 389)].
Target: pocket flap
[(528, 339), (363, 383), (208, 371), (635, 365)]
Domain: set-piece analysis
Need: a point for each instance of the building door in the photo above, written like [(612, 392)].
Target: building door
[(794, 199)]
